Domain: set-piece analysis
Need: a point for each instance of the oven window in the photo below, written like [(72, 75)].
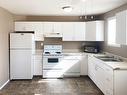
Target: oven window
[(53, 60)]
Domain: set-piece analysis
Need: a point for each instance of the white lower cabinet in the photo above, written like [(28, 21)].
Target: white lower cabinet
[(37, 64), (75, 65), (91, 68), (109, 81), (99, 77), (71, 65), (84, 65)]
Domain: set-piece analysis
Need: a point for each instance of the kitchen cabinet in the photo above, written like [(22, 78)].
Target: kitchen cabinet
[(99, 72), (68, 31), (73, 31), (23, 26), (94, 31), (37, 65), (84, 64), (71, 65), (38, 31), (110, 81), (121, 30), (120, 84), (79, 31), (48, 27), (53, 28), (91, 68), (36, 27), (96, 72)]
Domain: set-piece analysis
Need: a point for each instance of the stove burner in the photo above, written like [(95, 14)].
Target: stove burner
[(47, 52), (58, 52)]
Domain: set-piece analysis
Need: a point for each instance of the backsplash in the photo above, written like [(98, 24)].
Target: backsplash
[(67, 45)]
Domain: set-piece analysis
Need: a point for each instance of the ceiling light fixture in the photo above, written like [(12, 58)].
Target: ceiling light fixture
[(67, 8), (83, 0)]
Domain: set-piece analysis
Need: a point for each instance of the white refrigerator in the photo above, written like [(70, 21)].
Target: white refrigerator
[(21, 55)]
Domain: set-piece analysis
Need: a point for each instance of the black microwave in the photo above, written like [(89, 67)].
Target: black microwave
[(91, 49)]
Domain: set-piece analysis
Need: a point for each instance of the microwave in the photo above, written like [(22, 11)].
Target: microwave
[(91, 49)]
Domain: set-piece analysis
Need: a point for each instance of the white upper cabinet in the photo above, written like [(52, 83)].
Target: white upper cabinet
[(48, 27), (79, 31), (68, 31), (73, 31), (37, 27), (121, 30), (52, 27), (57, 27), (23, 26), (94, 31), (38, 30)]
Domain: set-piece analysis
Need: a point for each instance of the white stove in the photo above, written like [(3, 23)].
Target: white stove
[(52, 57)]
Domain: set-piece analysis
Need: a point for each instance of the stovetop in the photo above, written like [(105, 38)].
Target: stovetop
[(52, 50)]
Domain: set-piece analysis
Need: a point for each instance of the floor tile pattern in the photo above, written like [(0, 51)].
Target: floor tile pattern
[(39, 86)]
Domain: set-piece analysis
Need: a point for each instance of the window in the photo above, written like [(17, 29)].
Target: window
[(112, 32)]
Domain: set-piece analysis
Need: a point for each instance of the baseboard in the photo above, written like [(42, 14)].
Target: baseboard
[(4, 84)]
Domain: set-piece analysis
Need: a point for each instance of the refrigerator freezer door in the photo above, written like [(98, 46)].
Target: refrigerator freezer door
[(21, 64), (21, 40)]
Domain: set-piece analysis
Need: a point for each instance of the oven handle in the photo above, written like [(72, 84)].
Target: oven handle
[(51, 69)]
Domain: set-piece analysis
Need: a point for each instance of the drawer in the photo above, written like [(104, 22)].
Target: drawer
[(52, 73), (73, 57)]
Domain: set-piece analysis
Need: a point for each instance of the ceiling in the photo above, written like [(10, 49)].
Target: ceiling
[(54, 7)]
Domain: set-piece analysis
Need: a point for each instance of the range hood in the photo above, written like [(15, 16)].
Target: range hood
[(53, 35)]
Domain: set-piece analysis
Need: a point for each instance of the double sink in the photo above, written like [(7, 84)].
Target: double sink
[(108, 58)]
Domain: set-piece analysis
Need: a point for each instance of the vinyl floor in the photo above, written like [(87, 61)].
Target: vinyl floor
[(39, 86)]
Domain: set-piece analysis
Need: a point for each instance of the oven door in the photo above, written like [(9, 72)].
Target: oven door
[(52, 63)]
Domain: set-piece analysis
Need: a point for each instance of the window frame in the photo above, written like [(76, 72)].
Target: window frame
[(111, 44)]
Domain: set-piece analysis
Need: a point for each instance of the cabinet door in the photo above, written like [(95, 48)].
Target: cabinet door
[(84, 65), (68, 31), (99, 30), (38, 29), (79, 31), (23, 26), (90, 31), (57, 27), (71, 67), (91, 68), (108, 81), (37, 65), (48, 27), (94, 31), (121, 27), (100, 79)]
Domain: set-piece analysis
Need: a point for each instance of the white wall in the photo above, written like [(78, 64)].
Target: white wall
[(6, 26)]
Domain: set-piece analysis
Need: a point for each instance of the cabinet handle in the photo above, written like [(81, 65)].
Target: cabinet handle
[(22, 34)]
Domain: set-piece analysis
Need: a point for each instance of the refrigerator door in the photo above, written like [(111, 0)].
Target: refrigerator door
[(21, 40), (21, 64)]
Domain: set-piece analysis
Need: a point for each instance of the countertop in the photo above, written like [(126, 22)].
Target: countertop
[(115, 65)]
